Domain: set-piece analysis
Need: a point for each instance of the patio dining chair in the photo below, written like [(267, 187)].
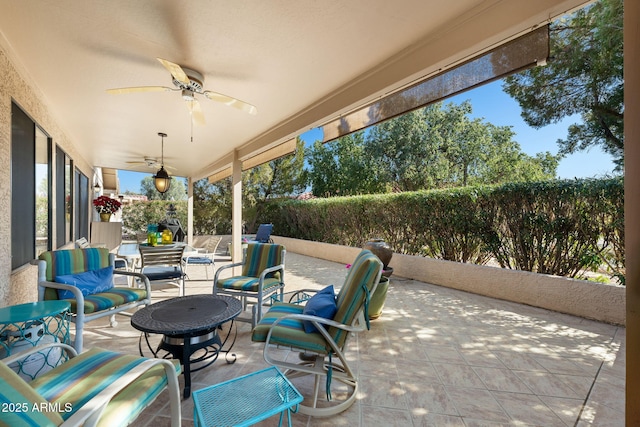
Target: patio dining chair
[(262, 275), (85, 277), (163, 264), (204, 257), (94, 388), (320, 330)]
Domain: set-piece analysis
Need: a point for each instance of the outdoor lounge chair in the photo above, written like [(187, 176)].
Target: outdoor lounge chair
[(262, 275), (321, 336), (97, 387), (84, 277), (263, 235)]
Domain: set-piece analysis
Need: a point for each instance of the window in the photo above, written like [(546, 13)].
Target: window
[(64, 200), (81, 185), (30, 175), (43, 192)]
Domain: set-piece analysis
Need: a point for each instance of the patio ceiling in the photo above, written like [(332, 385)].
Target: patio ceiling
[(301, 63)]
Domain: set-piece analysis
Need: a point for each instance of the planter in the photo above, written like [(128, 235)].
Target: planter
[(105, 217), (377, 299), (381, 249)]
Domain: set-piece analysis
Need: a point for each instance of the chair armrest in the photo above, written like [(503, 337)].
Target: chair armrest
[(142, 277), (279, 267), (71, 352), (77, 293), (319, 323), (225, 267), (90, 413)]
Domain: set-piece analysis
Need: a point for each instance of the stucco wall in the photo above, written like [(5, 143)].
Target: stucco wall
[(590, 300), (19, 286)]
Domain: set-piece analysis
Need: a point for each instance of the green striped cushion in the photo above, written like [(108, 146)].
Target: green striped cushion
[(244, 283), (351, 298), (15, 391), (72, 261), (84, 376), (289, 332), (113, 298), (260, 256)]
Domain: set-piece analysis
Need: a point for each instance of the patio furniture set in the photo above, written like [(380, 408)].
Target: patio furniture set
[(107, 388)]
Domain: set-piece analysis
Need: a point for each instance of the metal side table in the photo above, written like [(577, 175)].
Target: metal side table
[(246, 400), (28, 325)]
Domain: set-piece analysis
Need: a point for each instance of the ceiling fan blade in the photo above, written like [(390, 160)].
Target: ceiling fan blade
[(176, 71), (232, 102), (196, 111), (139, 89)]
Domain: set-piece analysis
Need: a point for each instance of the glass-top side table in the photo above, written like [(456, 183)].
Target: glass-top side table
[(28, 325)]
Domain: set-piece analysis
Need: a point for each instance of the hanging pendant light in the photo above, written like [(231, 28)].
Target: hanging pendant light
[(161, 179)]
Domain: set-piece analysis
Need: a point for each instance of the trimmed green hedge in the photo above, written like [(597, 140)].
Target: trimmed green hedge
[(554, 227)]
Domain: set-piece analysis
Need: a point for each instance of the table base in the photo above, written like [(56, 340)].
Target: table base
[(184, 346)]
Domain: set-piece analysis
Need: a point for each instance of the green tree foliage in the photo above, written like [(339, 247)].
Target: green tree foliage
[(342, 168), (278, 178), (584, 76), (137, 215), (433, 147), (177, 189)]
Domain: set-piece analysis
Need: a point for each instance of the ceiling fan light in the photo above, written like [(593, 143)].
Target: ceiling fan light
[(187, 95), (162, 180)]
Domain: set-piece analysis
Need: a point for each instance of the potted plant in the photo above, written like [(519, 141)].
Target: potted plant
[(106, 206)]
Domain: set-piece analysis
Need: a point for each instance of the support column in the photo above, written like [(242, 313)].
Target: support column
[(632, 205), (190, 211), (236, 209)]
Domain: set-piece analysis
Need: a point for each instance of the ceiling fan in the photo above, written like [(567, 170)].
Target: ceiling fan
[(189, 83), (150, 162)]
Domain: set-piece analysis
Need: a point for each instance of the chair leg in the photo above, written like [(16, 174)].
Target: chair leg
[(112, 321)]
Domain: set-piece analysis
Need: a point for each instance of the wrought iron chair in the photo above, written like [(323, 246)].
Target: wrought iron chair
[(320, 336), (85, 278), (262, 275), (163, 264), (97, 387)]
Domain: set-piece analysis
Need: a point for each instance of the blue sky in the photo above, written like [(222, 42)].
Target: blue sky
[(492, 105)]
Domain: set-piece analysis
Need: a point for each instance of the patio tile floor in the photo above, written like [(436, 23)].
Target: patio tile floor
[(437, 357)]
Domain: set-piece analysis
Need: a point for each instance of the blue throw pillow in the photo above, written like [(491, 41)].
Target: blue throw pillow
[(89, 282), (322, 304)]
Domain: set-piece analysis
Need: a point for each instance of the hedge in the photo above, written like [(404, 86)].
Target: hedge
[(561, 227)]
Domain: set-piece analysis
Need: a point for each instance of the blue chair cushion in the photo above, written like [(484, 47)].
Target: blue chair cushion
[(89, 282), (198, 260), (322, 304), (162, 273)]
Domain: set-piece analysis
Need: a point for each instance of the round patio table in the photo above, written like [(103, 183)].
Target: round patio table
[(189, 324)]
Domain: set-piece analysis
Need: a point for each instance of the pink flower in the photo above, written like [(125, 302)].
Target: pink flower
[(348, 266)]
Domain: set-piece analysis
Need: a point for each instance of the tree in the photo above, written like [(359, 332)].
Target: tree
[(433, 147), (177, 190), (278, 178), (584, 76), (342, 168)]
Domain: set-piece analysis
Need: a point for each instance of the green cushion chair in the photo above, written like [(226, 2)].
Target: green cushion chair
[(85, 305), (322, 351), (262, 275), (95, 388)]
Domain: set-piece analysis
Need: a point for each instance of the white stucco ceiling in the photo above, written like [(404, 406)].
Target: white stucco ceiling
[(301, 63)]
